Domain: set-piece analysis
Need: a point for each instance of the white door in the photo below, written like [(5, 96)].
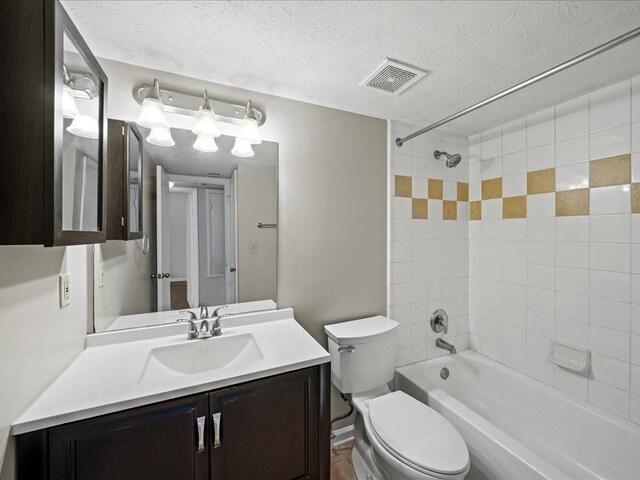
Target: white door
[(164, 238), (231, 274)]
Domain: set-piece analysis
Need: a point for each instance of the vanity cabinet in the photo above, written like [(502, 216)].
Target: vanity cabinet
[(276, 428), (125, 167), (53, 157)]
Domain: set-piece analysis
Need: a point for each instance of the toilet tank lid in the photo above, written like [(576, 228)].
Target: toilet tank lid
[(364, 330)]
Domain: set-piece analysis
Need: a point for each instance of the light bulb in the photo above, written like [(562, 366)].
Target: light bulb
[(161, 137), (205, 144), (249, 131), (152, 114), (69, 107), (206, 123), (242, 148), (84, 126)]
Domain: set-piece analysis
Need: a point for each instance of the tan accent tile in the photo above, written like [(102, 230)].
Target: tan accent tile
[(475, 210), (491, 188), (635, 198), (463, 192), (572, 202), (435, 189), (449, 210), (514, 207), (403, 186), (419, 208), (610, 171), (541, 181)]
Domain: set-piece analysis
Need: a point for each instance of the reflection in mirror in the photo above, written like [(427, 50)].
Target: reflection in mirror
[(81, 143), (134, 161), (201, 212)]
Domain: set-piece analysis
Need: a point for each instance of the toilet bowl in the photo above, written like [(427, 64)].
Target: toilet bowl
[(396, 437)]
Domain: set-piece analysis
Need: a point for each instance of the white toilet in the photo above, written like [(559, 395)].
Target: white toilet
[(396, 436)]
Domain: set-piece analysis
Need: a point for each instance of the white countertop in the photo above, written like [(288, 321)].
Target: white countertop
[(108, 377)]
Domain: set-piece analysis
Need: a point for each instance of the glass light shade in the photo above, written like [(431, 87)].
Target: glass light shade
[(242, 148), (152, 114), (205, 144), (161, 137), (206, 124), (84, 126), (69, 107), (249, 131)]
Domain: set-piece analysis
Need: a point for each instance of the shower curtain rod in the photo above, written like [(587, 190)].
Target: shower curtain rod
[(552, 71)]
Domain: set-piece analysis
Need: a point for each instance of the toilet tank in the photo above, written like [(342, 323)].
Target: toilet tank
[(363, 353)]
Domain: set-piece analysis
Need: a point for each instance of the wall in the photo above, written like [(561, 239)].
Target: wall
[(39, 339), (555, 244), (428, 241), (257, 202)]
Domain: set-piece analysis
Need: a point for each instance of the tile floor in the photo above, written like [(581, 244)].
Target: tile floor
[(341, 462)]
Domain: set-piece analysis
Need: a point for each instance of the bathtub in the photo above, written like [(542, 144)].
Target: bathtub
[(517, 428)]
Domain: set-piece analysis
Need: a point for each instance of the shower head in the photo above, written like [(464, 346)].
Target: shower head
[(452, 160)]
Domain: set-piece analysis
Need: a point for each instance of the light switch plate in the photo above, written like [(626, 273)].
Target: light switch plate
[(65, 290), (101, 274), (253, 248)]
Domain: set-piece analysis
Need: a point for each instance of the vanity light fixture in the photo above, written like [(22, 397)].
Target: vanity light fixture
[(84, 126), (69, 107), (205, 144), (242, 148), (152, 111), (206, 120), (161, 137), (249, 130)]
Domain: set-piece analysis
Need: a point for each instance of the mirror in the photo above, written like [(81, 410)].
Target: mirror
[(81, 145), (134, 195), (201, 212)]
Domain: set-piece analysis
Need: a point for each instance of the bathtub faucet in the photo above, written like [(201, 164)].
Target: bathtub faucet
[(445, 345)]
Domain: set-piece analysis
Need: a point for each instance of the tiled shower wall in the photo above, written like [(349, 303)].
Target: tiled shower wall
[(554, 244), (428, 241)]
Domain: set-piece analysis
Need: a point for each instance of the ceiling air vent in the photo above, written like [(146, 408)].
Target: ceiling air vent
[(393, 77)]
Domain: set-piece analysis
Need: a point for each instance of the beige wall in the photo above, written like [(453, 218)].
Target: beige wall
[(257, 202), (38, 339), (331, 238)]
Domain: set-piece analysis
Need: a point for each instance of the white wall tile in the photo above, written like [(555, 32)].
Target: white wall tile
[(572, 150), (514, 185), (572, 280), (612, 343), (540, 133), (614, 257), (515, 141), (611, 228), (542, 157), (574, 229), (540, 369), (572, 124), (612, 113), (572, 254), (515, 163), (572, 105), (610, 285), (635, 137), (571, 383), (541, 205), (607, 143), (492, 148), (571, 177), (541, 253), (574, 332), (610, 314), (610, 92), (635, 107), (541, 228), (610, 200), (609, 398)]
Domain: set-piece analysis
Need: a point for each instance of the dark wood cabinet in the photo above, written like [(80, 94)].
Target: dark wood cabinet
[(52, 136), (125, 167), (276, 428)]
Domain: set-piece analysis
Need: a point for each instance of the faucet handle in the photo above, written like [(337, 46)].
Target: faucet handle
[(440, 321), (193, 328), (215, 312), (216, 329), (192, 315)]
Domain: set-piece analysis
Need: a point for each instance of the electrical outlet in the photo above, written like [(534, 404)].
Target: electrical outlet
[(101, 275), (253, 248), (65, 290)]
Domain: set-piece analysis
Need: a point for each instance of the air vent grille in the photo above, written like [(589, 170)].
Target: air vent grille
[(393, 77)]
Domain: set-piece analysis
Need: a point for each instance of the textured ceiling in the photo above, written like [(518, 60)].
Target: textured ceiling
[(319, 52)]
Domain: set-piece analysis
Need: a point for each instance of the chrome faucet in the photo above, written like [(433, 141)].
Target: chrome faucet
[(204, 311), (192, 315), (193, 333), (445, 345), (216, 329)]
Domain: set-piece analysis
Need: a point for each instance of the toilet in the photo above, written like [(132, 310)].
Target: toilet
[(396, 437)]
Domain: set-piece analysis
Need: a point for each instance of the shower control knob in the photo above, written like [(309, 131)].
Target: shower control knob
[(440, 321)]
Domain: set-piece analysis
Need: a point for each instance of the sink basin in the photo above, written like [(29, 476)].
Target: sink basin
[(197, 356)]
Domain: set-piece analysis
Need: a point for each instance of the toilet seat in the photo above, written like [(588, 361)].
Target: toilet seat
[(416, 435)]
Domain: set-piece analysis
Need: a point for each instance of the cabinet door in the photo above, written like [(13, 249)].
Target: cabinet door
[(160, 442), (268, 429)]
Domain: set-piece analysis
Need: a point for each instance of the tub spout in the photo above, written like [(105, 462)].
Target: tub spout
[(445, 345)]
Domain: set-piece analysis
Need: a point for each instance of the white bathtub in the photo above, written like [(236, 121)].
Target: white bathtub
[(517, 428)]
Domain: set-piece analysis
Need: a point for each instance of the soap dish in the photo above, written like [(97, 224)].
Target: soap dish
[(570, 357)]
